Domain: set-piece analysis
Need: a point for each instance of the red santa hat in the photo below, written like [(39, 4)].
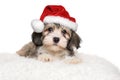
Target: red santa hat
[(54, 14)]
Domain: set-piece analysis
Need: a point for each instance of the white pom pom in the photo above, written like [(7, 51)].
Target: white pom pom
[(37, 25)]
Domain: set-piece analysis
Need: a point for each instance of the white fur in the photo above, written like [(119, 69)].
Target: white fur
[(14, 67), (37, 25), (63, 21), (48, 40), (57, 55), (72, 60), (45, 57), (75, 50)]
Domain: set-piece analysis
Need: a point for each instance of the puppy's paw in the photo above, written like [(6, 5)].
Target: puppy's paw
[(72, 60), (45, 57)]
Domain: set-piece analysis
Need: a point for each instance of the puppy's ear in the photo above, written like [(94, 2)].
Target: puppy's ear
[(73, 43), (37, 38)]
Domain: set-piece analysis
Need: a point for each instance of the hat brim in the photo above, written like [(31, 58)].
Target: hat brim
[(63, 21)]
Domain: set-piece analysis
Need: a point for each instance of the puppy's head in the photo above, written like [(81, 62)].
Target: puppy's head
[(56, 37)]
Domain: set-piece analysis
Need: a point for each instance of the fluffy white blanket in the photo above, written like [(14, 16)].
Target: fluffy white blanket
[(14, 67)]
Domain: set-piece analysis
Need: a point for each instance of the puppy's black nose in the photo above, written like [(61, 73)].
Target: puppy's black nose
[(56, 39)]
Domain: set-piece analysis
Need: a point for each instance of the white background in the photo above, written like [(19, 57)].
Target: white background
[(99, 24)]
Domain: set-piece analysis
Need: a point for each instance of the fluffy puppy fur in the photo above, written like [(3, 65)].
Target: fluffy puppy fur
[(28, 50), (55, 42)]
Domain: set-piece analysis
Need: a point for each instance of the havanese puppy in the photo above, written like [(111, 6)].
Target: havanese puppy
[(54, 42)]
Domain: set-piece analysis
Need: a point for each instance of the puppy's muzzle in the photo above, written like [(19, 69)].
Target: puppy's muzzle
[(56, 39)]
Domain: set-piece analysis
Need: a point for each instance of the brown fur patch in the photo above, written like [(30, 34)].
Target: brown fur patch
[(27, 50)]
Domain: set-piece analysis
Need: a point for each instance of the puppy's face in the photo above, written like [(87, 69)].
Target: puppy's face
[(56, 37)]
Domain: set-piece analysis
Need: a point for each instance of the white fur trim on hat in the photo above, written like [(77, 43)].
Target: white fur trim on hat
[(63, 21), (37, 25)]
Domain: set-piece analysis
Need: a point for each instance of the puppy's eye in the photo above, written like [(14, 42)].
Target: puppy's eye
[(64, 31), (50, 29)]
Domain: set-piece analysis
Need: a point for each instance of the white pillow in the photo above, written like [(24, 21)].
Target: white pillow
[(14, 67)]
